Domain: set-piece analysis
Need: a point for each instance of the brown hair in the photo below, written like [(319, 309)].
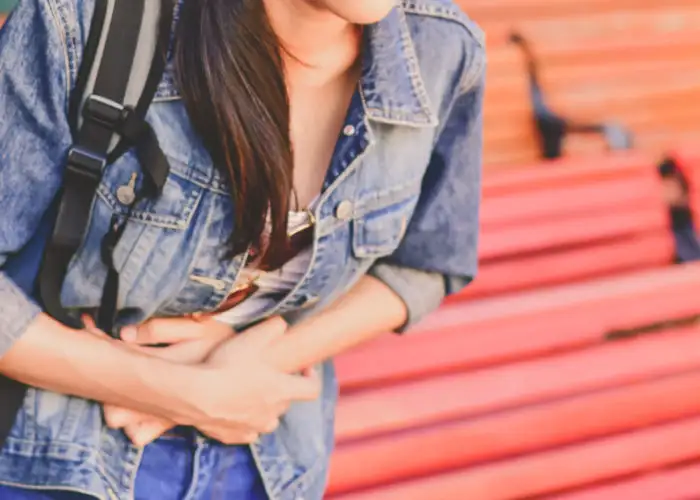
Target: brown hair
[(231, 76)]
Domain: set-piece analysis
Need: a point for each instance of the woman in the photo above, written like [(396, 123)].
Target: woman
[(325, 169)]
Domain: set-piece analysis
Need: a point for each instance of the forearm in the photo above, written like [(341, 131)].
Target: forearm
[(369, 309), (50, 356)]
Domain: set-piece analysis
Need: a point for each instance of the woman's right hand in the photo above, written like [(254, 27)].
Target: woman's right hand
[(240, 394)]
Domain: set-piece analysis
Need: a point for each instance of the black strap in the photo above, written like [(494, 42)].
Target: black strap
[(89, 53), (103, 116), (136, 131), (102, 113)]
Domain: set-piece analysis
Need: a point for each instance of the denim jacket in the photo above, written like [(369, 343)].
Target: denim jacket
[(400, 202)]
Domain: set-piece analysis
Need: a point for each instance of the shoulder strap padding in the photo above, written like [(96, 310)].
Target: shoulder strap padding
[(143, 57)]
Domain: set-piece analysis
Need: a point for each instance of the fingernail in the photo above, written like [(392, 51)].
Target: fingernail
[(128, 334)]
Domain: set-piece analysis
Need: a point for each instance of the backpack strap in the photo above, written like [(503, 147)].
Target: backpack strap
[(118, 78)]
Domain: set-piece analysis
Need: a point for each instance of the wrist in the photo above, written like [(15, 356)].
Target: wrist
[(181, 390)]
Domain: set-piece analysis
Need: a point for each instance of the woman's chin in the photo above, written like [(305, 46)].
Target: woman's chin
[(361, 11)]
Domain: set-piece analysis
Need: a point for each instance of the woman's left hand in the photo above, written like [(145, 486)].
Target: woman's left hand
[(189, 341)]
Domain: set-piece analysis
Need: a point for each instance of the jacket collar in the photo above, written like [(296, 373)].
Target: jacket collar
[(392, 87)]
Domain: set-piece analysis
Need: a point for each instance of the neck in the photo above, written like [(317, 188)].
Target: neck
[(317, 45)]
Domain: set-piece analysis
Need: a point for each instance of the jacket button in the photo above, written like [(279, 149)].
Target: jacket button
[(126, 195), (344, 210), (349, 130)]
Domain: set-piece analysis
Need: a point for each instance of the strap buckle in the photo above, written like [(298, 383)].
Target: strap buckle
[(85, 163), (103, 111)]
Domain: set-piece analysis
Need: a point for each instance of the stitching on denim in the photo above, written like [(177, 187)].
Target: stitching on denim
[(61, 26), (475, 73), (364, 249), (49, 488), (418, 85), (178, 222), (449, 13)]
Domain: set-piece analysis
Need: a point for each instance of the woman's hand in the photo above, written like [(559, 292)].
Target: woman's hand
[(196, 339), (189, 341), (244, 394)]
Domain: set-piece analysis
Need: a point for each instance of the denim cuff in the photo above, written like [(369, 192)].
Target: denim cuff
[(17, 311), (421, 291)]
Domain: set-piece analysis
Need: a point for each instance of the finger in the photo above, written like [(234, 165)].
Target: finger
[(170, 331), (189, 352), (282, 408), (148, 431), (265, 333), (250, 438), (230, 433), (91, 327), (237, 438), (117, 418), (88, 322), (300, 388), (270, 426)]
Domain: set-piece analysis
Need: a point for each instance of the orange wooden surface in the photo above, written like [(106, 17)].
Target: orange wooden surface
[(612, 195), (567, 222), (503, 329), (635, 252), (546, 472), (567, 172), (627, 61), (392, 457), (511, 241), (469, 393), (450, 413), (679, 483), (487, 11)]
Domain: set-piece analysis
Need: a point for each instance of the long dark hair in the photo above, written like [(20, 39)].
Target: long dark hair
[(231, 77)]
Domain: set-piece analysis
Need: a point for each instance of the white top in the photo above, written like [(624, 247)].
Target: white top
[(271, 285)]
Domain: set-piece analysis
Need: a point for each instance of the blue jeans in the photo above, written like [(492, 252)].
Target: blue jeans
[(175, 468)]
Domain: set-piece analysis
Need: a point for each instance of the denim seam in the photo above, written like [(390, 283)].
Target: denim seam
[(49, 489), (418, 84), (65, 444), (61, 25), (476, 71), (449, 14)]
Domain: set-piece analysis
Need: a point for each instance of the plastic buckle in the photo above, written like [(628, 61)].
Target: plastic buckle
[(85, 163), (104, 111)]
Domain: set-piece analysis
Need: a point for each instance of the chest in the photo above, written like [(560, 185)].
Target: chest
[(172, 257), (317, 116)]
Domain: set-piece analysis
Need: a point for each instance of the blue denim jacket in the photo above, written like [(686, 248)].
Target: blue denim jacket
[(400, 202)]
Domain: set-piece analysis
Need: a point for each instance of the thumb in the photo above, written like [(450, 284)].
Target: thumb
[(305, 387)]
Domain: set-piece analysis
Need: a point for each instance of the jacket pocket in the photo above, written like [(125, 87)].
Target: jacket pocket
[(173, 209), (381, 220)]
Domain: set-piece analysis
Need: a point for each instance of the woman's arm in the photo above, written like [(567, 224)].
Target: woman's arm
[(438, 255), (51, 356), (369, 309)]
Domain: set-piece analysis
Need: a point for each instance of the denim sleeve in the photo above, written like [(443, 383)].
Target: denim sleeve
[(438, 255), (34, 137)]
